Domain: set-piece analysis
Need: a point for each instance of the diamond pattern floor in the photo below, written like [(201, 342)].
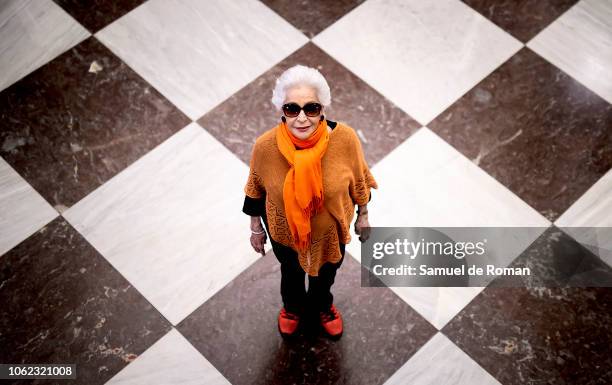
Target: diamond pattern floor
[(125, 138)]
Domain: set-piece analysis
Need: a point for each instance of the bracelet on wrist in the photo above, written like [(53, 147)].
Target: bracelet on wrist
[(258, 232)]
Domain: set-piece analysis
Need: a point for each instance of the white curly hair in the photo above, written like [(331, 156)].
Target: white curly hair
[(300, 75)]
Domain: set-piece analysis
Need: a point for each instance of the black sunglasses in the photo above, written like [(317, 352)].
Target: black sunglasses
[(291, 110)]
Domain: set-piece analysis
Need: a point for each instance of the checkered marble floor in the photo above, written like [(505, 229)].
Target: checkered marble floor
[(125, 136)]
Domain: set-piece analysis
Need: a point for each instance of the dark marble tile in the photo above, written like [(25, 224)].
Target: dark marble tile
[(236, 330), (67, 130), (62, 302), (535, 129), (239, 120), (555, 259), (523, 19), (312, 17), (553, 330), (97, 14), (538, 335)]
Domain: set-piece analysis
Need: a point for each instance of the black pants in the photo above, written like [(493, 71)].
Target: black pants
[(293, 291)]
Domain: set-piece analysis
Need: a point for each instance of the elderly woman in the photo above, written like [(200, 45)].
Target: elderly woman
[(306, 176)]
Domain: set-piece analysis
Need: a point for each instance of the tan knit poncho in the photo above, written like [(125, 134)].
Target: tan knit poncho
[(346, 182)]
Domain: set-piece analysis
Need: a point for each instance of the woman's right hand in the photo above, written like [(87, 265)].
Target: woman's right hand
[(258, 241)]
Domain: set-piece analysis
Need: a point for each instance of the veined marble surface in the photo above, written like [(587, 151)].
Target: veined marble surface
[(535, 129), (540, 334), (33, 32), (380, 125), (171, 360), (523, 19), (593, 208), (79, 120), (54, 286), (416, 194), (453, 366), (23, 210), (236, 330), (171, 222), (198, 53), (589, 221), (421, 55), (152, 234), (580, 43)]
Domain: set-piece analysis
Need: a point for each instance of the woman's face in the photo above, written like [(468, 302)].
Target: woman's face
[(302, 126)]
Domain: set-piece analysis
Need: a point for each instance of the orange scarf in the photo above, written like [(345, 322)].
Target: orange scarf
[(303, 188)]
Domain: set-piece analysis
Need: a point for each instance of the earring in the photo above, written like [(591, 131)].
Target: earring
[(283, 118), (322, 117)]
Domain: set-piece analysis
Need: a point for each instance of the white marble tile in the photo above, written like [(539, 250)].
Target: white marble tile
[(589, 219), (172, 222), (421, 55), (33, 33), (171, 360), (440, 361), (198, 53), (580, 43), (23, 211), (425, 182)]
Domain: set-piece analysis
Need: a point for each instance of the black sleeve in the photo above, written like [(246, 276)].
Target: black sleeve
[(254, 207)]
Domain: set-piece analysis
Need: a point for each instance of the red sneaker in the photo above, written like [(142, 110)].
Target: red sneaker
[(287, 323), (331, 321)]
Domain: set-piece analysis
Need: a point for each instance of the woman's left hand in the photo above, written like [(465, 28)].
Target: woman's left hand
[(362, 227)]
